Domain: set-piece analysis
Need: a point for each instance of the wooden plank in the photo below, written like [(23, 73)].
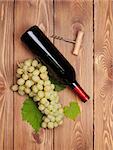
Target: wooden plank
[(71, 16), (28, 13), (103, 103), (6, 75)]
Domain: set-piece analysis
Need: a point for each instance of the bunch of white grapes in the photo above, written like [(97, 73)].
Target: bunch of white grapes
[(33, 80)]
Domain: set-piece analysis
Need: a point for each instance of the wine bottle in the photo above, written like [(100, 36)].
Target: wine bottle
[(43, 48)]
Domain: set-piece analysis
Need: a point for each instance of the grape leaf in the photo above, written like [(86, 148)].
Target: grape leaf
[(72, 110), (31, 114), (58, 85)]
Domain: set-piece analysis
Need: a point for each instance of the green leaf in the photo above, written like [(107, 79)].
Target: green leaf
[(31, 114), (58, 85), (72, 110)]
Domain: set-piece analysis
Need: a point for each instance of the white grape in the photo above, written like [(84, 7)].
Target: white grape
[(27, 90), (25, 76), (21, 92), (20, 71), (36, 98), (20, 81), (28, 62), (47, 88), (34, 89), (43, 76), (47, 82), (36, 72), (31, 69), (47, 95), (29, 83), (43, 69), (50, 125), (43, 101), (41, 107), (35, 78), (55, 124), (21, 87), (34, 63), (44, 124), (46, 120), (14, 87), (39, 87), (52, 86), (41, 94)]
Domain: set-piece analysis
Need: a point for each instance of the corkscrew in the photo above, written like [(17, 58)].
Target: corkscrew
[(62, 38), (77, 42)]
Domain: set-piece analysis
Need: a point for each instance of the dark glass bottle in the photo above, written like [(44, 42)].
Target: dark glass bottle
[(41, 46)]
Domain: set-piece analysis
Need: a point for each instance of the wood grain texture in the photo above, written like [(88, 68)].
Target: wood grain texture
[(6, 75), (69, 19), (103, 103), (28, 13)]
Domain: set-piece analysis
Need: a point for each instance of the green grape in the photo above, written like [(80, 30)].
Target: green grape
[(25, 68), (43, 76), (27, 90), (46, 111), (50, 125), (18, 75), (41, 82), (44, 125), (20, 81), (28, 62), (21, 87), (50, 107), (47, 88), (43, 101), (52, 97), (47, 95), (34, 63), (47, 82), (41, 107), (25, 76), (52, 86), (35, 78), (31, 69), (43, 69), (34, 88), (46, 120), (60, 110), (31, 94), (14, 87), (46, 104), (36, 98), (20, 71), (29, 83), (36, 72), (40, 87), (55, 124), (21, 92)]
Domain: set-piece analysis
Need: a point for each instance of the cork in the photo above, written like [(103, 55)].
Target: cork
[(78, 42)]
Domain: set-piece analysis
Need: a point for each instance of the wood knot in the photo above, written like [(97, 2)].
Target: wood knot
[(110, 73), (2, 87), (77, 27), (39, 137)]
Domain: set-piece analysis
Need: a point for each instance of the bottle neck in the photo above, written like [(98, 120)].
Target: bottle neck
[(79, 91)]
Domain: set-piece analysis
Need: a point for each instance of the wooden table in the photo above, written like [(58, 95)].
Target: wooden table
[(93, 129)]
